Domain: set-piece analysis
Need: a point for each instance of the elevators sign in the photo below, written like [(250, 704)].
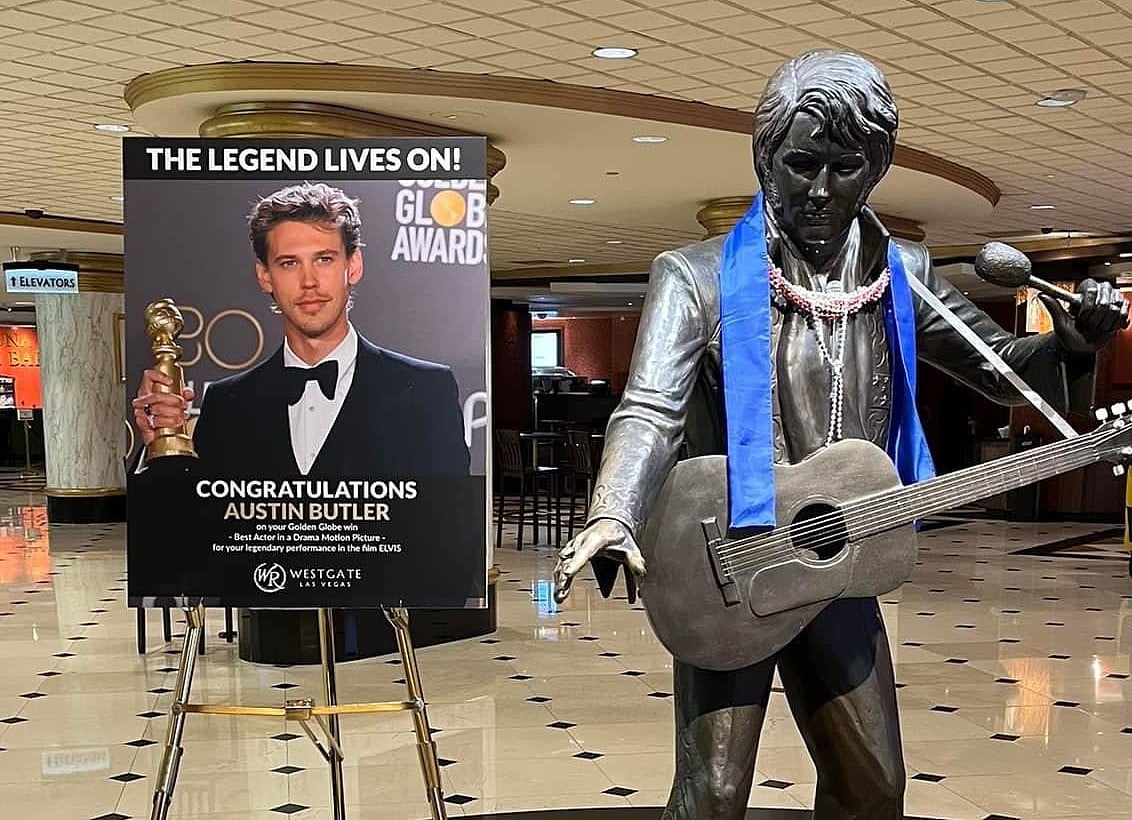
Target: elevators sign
[(333, 297)]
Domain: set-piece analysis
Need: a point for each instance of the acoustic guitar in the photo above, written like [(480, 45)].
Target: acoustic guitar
[(846, 530)]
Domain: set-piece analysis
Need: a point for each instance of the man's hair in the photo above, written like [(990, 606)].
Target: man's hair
[(309, 202), (844, 92)]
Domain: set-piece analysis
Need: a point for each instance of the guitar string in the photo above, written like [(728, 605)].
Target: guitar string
[(767, 547), (945, 485), (762, 552), (736, 548), (781, 544)]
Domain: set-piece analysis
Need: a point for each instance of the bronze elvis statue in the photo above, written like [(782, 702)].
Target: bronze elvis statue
[(824, 136)]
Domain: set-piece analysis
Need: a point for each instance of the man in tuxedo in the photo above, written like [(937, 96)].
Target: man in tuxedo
[(328, 403)]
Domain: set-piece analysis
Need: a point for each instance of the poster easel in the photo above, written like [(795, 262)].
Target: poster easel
[(303, 711)]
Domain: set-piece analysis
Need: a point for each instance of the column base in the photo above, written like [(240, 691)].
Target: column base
[(85, 506)]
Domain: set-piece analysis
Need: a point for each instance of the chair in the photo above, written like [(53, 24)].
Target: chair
[(514, 460), (583, 468)]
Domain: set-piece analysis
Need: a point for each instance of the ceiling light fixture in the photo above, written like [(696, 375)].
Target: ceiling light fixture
[(582, 201), (111, 127), (614, 241), (650, 139), (1126, 255), (614, 52), (1063, 98), (577, 261), (118, 198), (1043, 207)]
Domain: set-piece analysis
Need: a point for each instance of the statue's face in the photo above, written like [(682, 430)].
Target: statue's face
[(821, 186)]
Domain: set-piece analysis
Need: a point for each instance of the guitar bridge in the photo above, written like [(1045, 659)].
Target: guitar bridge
[(715, 540)]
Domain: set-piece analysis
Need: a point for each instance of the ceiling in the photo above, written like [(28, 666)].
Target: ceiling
[(966, 73)]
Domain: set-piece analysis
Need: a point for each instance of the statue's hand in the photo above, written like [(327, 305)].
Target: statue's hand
[(603, 537), (1102, 313)]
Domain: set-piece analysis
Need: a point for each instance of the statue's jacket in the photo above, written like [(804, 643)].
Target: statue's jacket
[(673, 402)]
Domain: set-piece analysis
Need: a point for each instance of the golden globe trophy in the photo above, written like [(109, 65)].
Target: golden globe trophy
[(163, 324)]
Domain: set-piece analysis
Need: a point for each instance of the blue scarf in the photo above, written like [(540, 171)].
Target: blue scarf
[(747, 369)]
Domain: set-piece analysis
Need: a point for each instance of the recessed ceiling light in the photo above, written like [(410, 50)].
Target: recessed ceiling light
[(614, 241), (1108, 264), (630, 304), (577, 261), (650, 139), (1042, 207), (1126, 255), (582, 201), (117, 199), (614, 52), (1063, 98), (111, 127)]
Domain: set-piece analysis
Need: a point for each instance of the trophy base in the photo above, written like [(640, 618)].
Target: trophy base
[(178, 444)]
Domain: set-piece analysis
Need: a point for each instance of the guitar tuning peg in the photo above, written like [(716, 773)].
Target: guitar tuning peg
[(1120, 408), (1118, 470), (1101, 413), (1126, 452)]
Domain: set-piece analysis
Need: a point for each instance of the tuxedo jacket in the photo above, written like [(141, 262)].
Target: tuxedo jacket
[(402, 418)]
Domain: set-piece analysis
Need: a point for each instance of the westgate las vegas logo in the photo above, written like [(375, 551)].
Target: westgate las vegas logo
[(274, 578), (441, 221)]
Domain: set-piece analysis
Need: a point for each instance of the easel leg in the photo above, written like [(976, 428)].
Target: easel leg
[(171, 760), (426, 747), (330, 687)]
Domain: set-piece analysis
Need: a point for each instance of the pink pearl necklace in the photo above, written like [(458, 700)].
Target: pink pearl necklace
[(835, 308), (828, 306)]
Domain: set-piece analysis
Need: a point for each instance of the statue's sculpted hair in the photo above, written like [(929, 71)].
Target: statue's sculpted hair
[(844, 92)]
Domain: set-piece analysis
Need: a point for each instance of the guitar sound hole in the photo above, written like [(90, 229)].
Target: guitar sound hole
[(823, 539)]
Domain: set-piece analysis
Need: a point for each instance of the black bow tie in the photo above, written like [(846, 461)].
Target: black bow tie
[(296, 378)]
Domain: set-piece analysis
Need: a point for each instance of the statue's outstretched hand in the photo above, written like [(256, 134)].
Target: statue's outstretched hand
[(603, 537)]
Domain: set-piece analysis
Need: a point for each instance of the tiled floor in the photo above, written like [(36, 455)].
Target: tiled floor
[(1015, 694)]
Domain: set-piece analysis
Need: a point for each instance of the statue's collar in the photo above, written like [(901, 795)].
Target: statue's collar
[(867, 245)]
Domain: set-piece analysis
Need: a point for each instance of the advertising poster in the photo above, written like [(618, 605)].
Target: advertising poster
[(20, 386), (334, 303)]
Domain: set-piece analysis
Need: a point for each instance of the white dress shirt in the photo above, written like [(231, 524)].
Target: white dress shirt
[(313, 415)]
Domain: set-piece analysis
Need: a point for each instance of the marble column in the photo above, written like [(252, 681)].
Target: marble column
[(83, 395), (269, 636), (718, 216)]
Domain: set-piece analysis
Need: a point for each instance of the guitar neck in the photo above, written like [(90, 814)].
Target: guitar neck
[(884, 511)]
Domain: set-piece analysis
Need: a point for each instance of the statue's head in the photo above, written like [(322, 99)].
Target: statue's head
[(163, 319), (825, 131)]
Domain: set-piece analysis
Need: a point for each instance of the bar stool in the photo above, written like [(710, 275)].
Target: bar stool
[(583, 469), (514, 461)]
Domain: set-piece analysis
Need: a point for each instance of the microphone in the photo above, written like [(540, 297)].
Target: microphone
[(1006, 266)]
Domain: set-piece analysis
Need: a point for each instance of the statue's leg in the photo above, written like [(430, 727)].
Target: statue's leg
[(718, 719), (839, 681)]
